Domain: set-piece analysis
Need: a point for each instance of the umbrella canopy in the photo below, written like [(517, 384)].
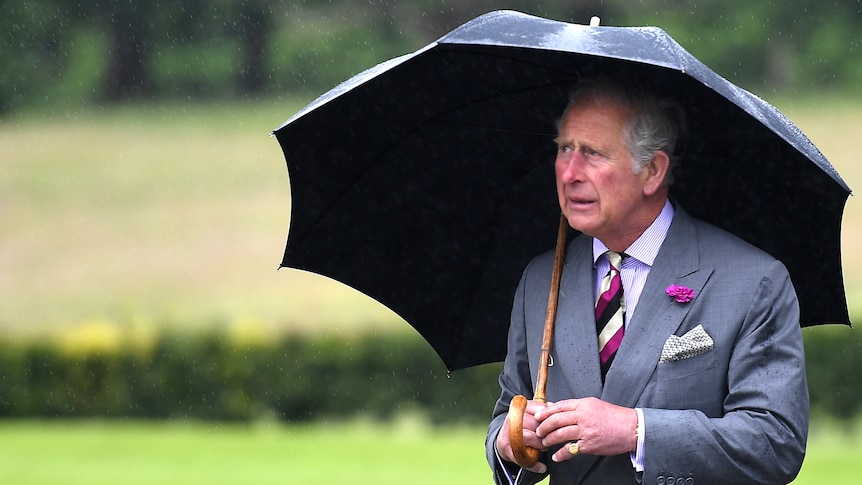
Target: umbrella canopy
[(427, 181)]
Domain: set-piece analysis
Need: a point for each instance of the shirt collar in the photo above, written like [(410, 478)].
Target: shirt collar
[(646, 247)]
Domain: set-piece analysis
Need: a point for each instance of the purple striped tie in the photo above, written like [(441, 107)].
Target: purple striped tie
[(610, 313)]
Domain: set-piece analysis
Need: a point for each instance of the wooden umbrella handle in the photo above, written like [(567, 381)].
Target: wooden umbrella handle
[(526, 456)]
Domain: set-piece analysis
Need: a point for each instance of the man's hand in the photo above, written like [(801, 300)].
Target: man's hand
[(598, 427), (504, 447)]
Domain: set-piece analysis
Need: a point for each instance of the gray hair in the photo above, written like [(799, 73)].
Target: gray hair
[(657, 123)]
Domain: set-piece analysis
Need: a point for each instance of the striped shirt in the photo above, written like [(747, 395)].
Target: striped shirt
[(640, 257)]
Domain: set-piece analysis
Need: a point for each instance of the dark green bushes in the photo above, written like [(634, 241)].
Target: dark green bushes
[(209, 376), (833, 361), (213, 376)]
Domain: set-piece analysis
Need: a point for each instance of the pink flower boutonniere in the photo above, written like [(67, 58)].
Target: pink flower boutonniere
[(682, 294)]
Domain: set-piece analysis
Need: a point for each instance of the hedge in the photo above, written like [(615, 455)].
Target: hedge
[(210, 376), (213, 376)]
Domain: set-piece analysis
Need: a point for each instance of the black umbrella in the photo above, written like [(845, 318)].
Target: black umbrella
[(427, 182)]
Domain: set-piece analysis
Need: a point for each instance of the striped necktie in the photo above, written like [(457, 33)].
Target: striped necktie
[(610, 313)]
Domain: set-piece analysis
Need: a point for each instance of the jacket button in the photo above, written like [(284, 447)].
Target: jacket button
[(660, 480)]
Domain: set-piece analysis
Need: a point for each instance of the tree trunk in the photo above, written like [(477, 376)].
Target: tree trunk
[(255, 26), (127, 76)]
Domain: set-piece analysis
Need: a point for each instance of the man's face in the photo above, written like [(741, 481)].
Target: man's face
[(598, 192)]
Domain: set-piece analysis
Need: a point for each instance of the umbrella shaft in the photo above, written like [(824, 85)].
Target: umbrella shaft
[(551, 316)]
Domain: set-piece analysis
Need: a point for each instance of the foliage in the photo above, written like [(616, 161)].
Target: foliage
[(219, 375), (832, 356), (59, 52), (778, 45), (216, 376)]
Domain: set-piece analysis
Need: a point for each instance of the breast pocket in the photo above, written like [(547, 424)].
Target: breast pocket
[(687, 367), (694, 383)]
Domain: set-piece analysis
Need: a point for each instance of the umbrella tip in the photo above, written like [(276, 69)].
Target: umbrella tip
[(595, 21)]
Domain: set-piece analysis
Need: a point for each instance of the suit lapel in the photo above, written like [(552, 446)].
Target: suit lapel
[(575, 346), (657, 316), (575, 350)]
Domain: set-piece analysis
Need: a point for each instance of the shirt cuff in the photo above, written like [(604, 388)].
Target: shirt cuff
[(637, 456), (506, 472)]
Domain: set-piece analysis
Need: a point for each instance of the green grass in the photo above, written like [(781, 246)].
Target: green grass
[(155, 214), (161, 453), (109, 452), (833, 454)]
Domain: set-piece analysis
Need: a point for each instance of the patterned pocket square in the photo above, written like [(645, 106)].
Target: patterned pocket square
[(695, 342)]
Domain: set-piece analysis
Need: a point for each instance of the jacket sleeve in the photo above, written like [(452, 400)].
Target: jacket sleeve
[(514, 379)]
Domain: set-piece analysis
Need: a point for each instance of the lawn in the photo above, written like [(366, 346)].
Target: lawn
[(157, 215), (161, 453), (109, 452), (177, 214)]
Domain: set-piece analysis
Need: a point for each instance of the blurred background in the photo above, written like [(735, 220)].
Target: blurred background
[(144, 210), (65, 54)]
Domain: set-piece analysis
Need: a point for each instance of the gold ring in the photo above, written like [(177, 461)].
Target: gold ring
[(574, 449)]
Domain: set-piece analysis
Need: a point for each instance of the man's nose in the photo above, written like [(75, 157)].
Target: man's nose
[(570, 167)]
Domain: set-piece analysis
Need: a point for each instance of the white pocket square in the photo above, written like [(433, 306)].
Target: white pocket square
[(695, 342)]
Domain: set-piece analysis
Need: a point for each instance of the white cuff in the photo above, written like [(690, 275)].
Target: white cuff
[(637, 456), (512, 479)]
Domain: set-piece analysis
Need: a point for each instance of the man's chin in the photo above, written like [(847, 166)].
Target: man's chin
[(579, 223)]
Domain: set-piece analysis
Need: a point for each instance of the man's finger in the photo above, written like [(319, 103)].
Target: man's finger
[(557, 407), (539, 468), (567, 452)]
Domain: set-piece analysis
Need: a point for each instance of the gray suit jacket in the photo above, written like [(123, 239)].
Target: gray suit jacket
[(736, 413)]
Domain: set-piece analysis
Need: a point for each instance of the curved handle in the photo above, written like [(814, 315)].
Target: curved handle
[(525, 456)]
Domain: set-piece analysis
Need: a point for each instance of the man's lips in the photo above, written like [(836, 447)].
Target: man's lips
[(577, 202)]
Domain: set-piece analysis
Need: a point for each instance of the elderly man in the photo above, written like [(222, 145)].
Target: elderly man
[(691, 370)]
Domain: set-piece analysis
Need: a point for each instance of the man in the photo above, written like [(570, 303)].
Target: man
[(708, 382)]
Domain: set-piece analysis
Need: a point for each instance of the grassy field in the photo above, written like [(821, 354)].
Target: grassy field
[(157, 215), (177, 214), (94, 453), (147, 453)]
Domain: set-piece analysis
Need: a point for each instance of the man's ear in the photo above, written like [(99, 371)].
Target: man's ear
[(655, 172)]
